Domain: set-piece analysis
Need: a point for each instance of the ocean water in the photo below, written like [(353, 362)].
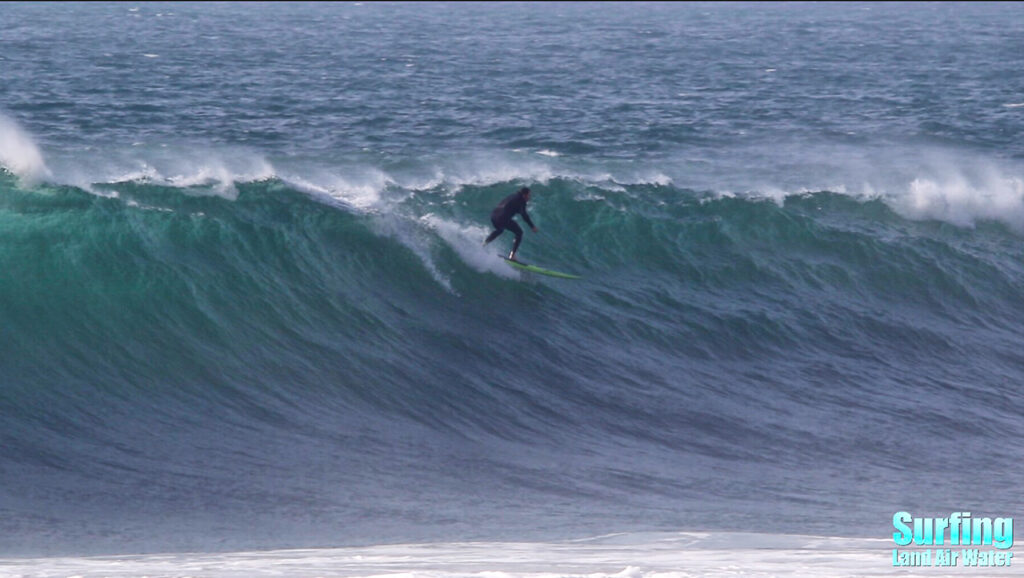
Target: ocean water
[(244, 305)]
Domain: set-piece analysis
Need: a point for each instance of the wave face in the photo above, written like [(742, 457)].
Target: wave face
[(271, 323)]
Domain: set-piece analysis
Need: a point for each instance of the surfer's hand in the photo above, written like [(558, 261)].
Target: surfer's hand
[(534, 229)]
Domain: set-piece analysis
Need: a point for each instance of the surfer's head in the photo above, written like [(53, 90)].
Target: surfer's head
[(525, 191)]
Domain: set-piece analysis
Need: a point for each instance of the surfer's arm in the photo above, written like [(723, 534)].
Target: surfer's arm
[(526, 217)]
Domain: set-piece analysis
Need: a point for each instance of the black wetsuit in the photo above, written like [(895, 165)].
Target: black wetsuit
[(502, 218)]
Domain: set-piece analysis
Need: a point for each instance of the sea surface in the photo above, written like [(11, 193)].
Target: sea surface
[(245, 307)]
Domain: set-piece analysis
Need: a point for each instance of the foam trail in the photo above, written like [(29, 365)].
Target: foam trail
[(467, 242), (396, 227), (19, 154), (616, 556)]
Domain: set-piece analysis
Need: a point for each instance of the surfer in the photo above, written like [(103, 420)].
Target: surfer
[(502, 218)]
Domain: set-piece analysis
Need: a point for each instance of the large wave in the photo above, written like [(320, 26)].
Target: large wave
[(219, 328)]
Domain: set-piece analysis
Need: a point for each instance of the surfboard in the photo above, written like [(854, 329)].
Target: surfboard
[(539, 270)]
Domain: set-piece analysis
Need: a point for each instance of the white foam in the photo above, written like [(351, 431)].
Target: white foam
[(488, 169), (956, 187), (616, 180), (19, 154), (467, 242), (919, 182), (359, 191), (218, 170), (677, 555), (218, 173), (963, 199)]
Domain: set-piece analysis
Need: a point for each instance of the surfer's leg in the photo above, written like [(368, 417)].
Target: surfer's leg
[(499, 228), (514, 227), (494, 235)]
